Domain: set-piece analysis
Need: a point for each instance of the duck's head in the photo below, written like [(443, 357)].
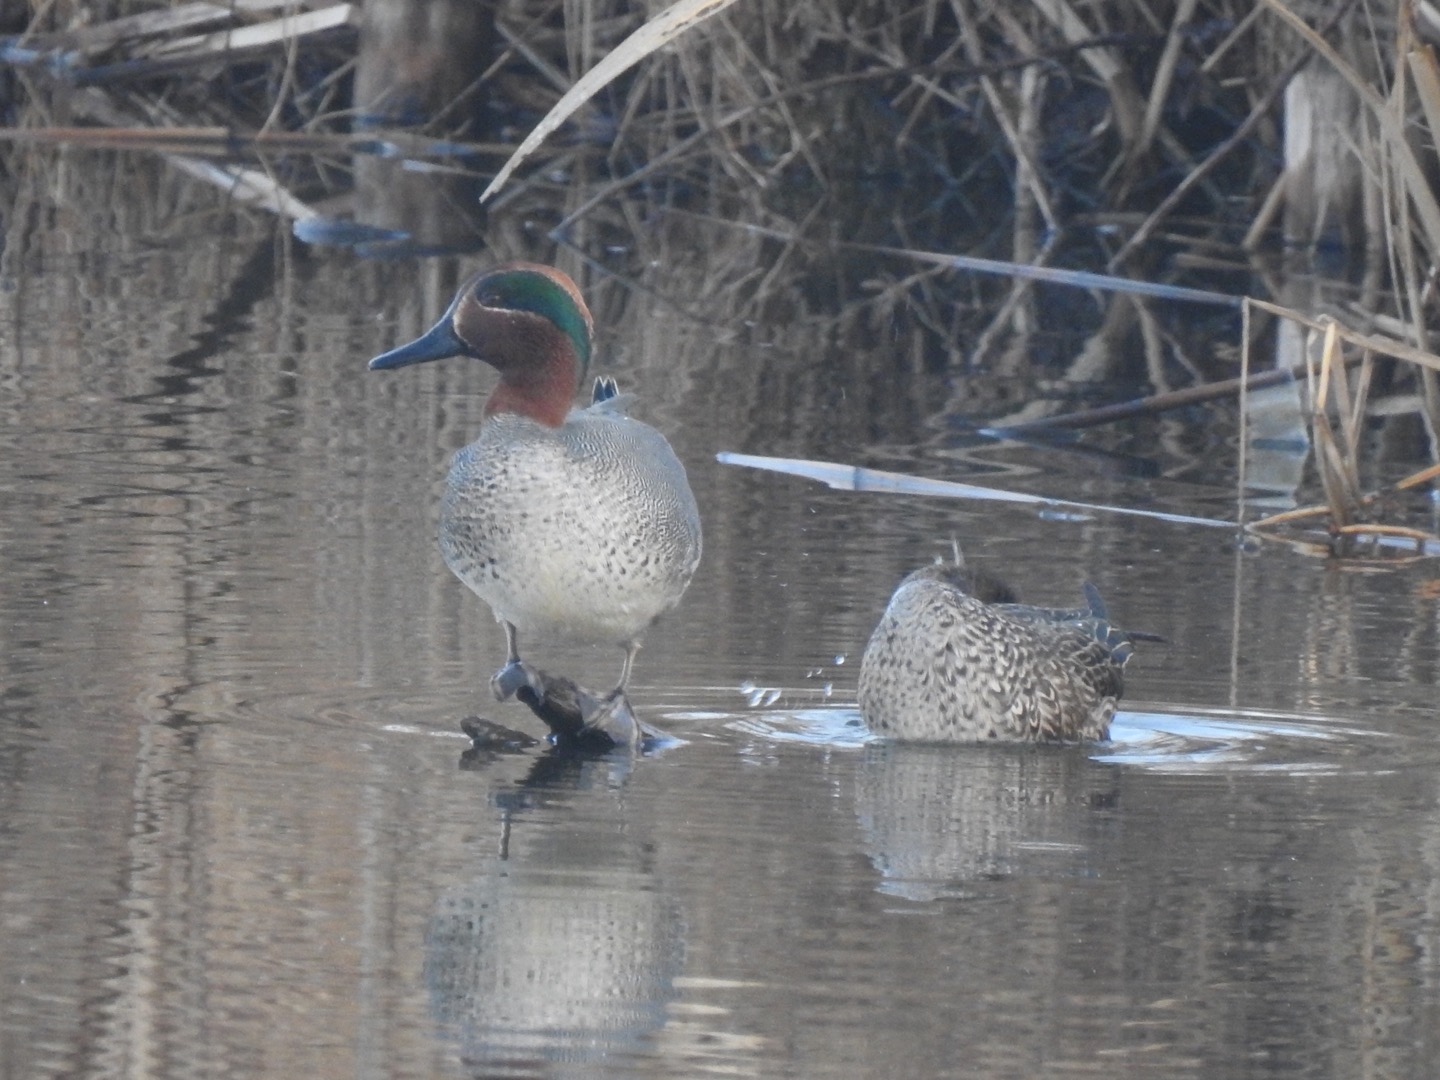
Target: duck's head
[(527, 321)]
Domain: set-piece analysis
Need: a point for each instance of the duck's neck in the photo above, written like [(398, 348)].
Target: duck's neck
[(542, 391)]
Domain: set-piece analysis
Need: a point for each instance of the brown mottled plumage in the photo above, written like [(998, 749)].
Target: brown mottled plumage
[(955, 659)]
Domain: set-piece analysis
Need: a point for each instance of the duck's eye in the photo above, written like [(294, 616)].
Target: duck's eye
[(487, 297)]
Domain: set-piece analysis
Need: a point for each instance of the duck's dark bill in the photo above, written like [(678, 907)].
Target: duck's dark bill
[(440, 342)]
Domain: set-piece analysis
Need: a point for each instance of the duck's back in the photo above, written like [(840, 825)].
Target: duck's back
[(589, 529), (943, 666)]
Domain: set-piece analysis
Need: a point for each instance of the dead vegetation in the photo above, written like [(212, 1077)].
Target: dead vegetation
[(1188, 148)]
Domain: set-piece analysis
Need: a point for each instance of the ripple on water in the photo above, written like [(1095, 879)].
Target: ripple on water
[(1168, 740), (1171, 741), (1247, 740), (948, 822)]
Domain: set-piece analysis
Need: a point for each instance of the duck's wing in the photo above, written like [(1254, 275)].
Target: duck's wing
[(1053, 679), (1093, 620)]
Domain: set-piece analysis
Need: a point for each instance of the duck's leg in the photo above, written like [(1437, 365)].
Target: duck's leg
[(572, 713), (631, 648), (515, 673), (577, 719)]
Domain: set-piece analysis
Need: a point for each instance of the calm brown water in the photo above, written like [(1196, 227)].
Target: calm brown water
[(237, 839)]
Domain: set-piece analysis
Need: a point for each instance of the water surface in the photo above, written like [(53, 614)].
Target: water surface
[(239, 834)]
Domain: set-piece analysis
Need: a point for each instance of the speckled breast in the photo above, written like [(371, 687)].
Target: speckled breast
[(589, 530)]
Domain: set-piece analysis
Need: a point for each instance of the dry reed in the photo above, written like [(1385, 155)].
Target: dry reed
[(865, 145)]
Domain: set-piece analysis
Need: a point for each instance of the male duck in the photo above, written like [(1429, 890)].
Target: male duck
[(577, 522), (955, 659)]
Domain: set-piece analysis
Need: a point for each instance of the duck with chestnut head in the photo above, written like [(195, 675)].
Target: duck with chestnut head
[(569, 521)]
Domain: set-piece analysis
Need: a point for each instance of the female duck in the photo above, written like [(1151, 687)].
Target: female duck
[(578, 522), (955, 659)]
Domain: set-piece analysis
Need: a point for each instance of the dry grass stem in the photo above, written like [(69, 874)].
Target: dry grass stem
[(656, 33), (916, 184), (1339, 397)]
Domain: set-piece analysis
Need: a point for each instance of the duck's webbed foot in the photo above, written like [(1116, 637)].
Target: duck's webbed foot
[(514, 677), (516, 674), (579, 719), (613, 719), (576, 716)]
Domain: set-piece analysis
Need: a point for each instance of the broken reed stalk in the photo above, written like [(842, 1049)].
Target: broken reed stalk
[(1337, 453), (1305, 513), (1156, 404), (1336, 464), (228, 142), (658, 31)]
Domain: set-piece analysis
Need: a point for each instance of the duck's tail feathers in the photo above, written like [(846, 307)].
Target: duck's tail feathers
[(607, 398), (1113, 636), (1143, 635), (606, 388), (1095, 602)]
